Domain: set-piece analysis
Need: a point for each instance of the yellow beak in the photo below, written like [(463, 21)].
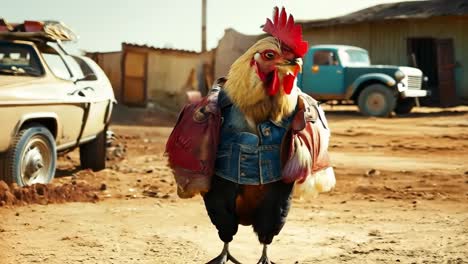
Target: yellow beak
[(287, 67)]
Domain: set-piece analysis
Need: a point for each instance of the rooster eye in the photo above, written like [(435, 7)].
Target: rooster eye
[(269, 55)]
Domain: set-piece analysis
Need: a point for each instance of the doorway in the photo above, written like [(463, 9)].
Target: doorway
[(435, 58), (134, 90)]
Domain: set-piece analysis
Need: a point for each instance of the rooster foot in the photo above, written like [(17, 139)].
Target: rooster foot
[(264, 259), (224, 257)]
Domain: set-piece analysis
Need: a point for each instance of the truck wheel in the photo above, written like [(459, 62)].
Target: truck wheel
[(376, 100), (31, 158), (404, 106), (93, 153)]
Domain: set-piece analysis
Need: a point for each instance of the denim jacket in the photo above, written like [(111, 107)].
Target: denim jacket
[(243, 156)]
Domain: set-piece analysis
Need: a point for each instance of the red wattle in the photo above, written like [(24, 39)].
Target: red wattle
[(275, 84), (288, 82)]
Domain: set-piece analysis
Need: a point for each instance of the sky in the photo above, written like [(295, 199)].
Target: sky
[(103, 25)]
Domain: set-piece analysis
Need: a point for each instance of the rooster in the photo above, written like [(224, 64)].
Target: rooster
[(260, 158)]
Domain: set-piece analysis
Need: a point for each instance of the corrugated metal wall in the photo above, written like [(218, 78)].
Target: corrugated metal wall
[(386, 41), (167, 74), (171, 75)]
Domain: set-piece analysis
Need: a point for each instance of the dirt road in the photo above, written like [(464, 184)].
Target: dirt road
[(402, 196)]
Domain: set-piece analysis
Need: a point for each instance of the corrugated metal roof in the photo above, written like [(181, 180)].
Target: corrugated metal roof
[(132, 45), (401, 10)]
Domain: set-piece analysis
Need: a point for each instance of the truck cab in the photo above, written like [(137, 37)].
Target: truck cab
[(344, 73)]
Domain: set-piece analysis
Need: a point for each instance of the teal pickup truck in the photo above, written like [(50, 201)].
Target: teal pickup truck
[(345, 74)]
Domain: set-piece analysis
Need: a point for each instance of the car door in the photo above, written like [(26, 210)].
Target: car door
[(323, 74), (69, 105), (94, 87)]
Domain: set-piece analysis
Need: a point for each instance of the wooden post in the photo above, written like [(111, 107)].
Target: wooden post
[(203, 49)]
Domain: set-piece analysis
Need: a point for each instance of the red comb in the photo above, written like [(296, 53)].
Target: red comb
[(289, 33)]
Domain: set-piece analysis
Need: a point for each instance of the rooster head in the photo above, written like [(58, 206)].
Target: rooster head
[(275, 66), (261, 77), (278, 59)]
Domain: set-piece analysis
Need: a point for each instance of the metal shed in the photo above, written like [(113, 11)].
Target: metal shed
[(163, 76), (431, 35)]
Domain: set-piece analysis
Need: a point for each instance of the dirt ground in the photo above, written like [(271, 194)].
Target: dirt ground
[(401, 196)]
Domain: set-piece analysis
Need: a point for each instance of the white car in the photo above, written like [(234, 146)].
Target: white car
[(50, 102)]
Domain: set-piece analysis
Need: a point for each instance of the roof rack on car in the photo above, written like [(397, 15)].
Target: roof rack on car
[(37, 31)]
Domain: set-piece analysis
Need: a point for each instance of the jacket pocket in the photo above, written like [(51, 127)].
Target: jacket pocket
[(248, 161)]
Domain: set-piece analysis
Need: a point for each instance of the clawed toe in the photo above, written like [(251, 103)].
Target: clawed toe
[(221, 259), (265, 261), (224, 257), (232, 259)]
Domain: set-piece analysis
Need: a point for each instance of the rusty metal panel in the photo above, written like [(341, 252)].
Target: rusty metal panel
[(354, 35), (446, 72), (172, 75)]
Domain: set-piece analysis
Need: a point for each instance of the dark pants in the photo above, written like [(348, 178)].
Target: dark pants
[(268, 218)]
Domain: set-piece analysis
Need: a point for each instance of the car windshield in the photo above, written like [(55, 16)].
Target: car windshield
[(356, 57), (19, 59)]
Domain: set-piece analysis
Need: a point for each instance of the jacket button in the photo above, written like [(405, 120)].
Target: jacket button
[(266, 132), (242, 157), (242, 174)]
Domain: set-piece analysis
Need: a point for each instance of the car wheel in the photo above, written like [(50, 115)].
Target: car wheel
[(404, 106), (93, 153), (31, 158), (376, 100)]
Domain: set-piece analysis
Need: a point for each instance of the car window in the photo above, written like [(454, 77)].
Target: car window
[(74, 67), (88, 73), (325, 57), (356, 57), (57, 65), (19, 59)]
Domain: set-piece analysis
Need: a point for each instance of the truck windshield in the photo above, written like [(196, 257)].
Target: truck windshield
[(19, 59), (356, 58)]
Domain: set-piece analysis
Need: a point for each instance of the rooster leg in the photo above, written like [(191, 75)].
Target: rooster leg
[(224, 257), (264, 259)]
